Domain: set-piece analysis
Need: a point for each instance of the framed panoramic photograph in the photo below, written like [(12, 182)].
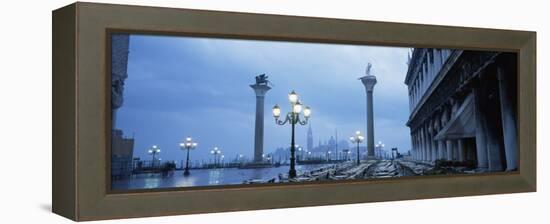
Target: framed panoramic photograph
[(202, 111), (190, 111)]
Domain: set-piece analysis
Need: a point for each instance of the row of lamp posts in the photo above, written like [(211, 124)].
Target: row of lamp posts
[(187, 145), (217, 153), (293, 117)]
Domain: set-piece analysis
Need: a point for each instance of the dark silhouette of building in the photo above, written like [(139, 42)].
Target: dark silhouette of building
[(122, 148)]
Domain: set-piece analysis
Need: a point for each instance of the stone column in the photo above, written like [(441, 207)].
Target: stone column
[(410, 100), (424, 77), (427, 144), (481, 143), (442, 149), (508, 120), (461, 155), (430, 141), (413, 144), (422, 146), (456, 150), (260, 91), (417, 148), (419, 139), (437, 59), (369, 81), (493, 149), (435, 150), (415, 93), (449, 148)]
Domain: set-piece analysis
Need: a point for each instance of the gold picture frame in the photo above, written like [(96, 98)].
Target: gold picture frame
[(81, 122)]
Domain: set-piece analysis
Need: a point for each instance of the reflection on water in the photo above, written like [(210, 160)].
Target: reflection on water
[(203, 177), (215, 177), (151, 182), (188, 181)]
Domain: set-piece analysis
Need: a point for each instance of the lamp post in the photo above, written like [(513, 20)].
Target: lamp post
[(379, 146), (293, 118), (301, 153), (358, 138), (154, 150), (240, 158), (187, 144), (215, 152)]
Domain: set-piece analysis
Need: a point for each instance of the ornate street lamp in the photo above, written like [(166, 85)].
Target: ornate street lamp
[(187, 144), (293, 118), (358, 138), (154, 150), (215, 152)]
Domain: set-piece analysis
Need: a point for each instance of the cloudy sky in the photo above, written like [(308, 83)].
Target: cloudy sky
[(199, 87)]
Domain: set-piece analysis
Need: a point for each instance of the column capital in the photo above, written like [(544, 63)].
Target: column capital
[(260, 89), (368, 81)]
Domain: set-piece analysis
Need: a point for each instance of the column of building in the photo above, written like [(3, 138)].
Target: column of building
[(423, 144), (508, 120), (456, 145), (446, 117), (428, 146), (481, 143), (429, 123), (437, 128), (441, 143), (415, 146), (420, 145), (429, 67)]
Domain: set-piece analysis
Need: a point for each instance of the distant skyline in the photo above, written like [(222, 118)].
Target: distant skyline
[(199, 87)]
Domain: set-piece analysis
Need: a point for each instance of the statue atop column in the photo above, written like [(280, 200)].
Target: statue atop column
[(262, 80), (367, 71)]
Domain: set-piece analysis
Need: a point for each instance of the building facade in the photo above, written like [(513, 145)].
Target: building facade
[(463, 107), (122, 147)]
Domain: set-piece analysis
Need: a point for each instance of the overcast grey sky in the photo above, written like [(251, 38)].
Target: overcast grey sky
[(199, 87)]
